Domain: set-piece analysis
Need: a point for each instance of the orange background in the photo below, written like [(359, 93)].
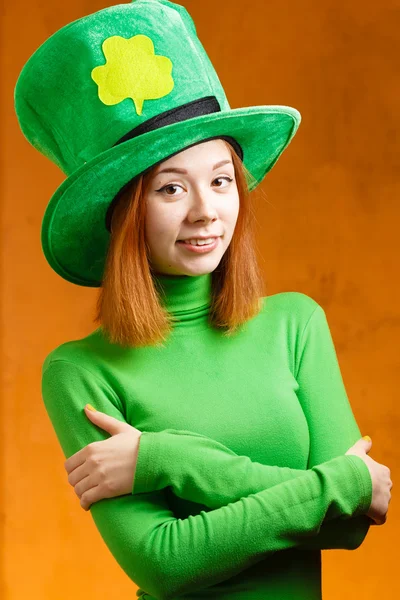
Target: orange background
[(327, 226)]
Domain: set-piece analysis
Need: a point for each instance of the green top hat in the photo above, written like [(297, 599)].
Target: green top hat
[(114, 93)]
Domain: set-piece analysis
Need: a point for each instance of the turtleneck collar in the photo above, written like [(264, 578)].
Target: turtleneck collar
[(186, 297)]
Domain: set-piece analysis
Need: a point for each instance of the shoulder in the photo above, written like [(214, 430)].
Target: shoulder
[(80, 352), (288, 315), (296, 307)]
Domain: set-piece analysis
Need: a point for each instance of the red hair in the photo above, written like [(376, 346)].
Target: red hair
[(128, 305)]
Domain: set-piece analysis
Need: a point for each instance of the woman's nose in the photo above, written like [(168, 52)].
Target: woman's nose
[(203, 206)]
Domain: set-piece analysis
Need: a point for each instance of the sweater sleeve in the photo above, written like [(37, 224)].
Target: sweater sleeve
[(167, 556), (332, 425), (213, 475)]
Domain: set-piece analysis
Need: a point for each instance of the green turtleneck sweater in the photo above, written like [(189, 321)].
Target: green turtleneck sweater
[(241, 477)]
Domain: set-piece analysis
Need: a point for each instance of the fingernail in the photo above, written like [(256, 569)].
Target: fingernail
[(90, 407), (366, 437)]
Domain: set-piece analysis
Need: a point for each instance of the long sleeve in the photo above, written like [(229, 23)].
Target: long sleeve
[(322, 395), (202, 470), (167, 556)]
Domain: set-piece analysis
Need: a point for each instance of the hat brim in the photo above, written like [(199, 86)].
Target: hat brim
[(74, 236)]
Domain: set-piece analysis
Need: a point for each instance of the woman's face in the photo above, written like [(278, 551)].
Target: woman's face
[(197, 197)]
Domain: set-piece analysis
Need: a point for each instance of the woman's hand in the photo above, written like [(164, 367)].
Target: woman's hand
[(381, 482), (105, 469)]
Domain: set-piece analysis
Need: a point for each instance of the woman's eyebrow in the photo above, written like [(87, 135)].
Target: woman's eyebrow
[(176, 170)]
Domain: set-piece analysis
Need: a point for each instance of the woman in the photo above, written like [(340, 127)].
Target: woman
[(224, 454)]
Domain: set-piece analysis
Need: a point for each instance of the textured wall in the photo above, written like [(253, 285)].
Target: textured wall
[(328, 219)]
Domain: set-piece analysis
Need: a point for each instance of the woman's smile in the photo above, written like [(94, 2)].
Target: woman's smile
[(201, 249)]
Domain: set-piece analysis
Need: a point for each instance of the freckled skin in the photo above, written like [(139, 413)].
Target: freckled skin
[(199, 202)]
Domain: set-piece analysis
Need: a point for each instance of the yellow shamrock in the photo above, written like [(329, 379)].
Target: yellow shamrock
[(132, 70)]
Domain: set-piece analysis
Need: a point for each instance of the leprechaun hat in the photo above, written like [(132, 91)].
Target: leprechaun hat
[(112, 94)]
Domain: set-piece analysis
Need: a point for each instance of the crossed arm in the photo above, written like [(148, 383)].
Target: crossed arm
[(204, 471), (256, 510)]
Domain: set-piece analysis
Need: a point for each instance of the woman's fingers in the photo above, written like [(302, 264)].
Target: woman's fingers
[(90, 497), (84, 485), (90, 490), (94, 493), (78, 473), (86, 476)]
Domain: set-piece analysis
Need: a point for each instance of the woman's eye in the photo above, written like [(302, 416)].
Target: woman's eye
[(228, 179), (166, 187)]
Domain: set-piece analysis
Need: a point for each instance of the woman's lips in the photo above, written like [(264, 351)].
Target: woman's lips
[(200, 249)]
